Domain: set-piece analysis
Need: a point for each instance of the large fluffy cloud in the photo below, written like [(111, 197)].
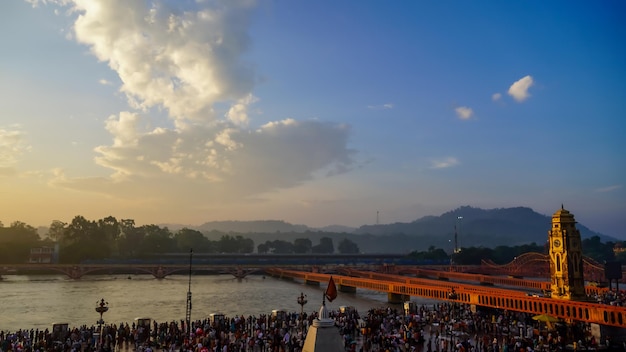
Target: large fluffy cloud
[(519, 89), (185, 57)]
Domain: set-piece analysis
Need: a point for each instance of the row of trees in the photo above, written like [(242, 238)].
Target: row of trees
[(592, 247), (304, 245), (16, 242), (83, 239)]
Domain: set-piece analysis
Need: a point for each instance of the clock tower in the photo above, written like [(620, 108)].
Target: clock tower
[(566, 258)]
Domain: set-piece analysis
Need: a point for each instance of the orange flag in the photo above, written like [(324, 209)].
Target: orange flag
[(331, 290)]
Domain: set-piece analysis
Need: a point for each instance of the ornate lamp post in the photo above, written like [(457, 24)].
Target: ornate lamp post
[(302, 301), (101, 308), (453, 296)]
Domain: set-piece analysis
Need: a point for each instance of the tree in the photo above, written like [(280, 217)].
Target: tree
[(347, 246), (56, 230), (597, 250), (157, 240), (302, 245), (246, 245), (83, 240), (188, 238), (433, 255), (472, 255), (131, 238), (263, 248), (16, 242), (280, 247), (325, 246), (227, 244)]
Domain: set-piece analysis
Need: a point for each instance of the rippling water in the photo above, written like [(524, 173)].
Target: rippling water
[(38, 301)]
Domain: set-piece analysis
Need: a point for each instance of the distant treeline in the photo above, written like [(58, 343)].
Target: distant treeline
[(592, 247), (83, 239)]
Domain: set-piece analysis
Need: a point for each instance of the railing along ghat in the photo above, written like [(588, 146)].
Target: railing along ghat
[(468, 294), (482, 279)]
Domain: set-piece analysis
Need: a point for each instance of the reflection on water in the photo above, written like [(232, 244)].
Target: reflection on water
[(37, 301)]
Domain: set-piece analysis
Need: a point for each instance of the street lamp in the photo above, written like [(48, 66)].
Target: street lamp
[(451, 254), (452, 295), (302, 301), (101, 308), (456, 238)]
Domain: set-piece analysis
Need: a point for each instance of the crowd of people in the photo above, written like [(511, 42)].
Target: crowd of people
[(612, 297), (442, 327)]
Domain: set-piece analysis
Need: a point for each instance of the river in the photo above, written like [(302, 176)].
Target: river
[(37, 301)]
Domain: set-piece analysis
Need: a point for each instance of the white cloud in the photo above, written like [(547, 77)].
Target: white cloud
[(496, 96), (444, 163), (519, 89), (238, 112), (12, 146), (386, 106), (609, 188), (463, 112), (105, 82)]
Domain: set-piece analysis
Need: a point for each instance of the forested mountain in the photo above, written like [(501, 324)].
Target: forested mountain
[(511, 226), (477, 227), (264, 226)]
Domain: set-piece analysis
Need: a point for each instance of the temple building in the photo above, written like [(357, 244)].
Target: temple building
[(566, 258)]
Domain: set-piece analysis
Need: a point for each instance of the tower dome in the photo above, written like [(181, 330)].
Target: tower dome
[(563, 216)]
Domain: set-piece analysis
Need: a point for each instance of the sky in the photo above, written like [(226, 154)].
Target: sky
[(312, 112)]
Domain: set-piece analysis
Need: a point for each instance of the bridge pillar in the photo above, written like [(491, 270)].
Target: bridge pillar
[(397, 298), (311, 282), (346, 289), (76, 273), (159, 273)]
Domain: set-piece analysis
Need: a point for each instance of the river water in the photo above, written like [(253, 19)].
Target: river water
[(37, 301)]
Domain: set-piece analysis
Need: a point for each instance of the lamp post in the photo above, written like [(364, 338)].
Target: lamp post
[(451, 255), (302, 301), (453, 296), (188, 311), (456, 239), (101, 308)]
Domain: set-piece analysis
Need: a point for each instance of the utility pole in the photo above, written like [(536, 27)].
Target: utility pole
[(376, 217), (188, 313)]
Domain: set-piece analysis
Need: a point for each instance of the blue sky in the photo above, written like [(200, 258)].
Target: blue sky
[(312, 112)]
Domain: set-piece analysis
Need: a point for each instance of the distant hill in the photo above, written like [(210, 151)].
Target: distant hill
[(478, 227), (260, 226)]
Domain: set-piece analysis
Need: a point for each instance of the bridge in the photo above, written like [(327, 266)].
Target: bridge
[(159, 271), (400, 288), (488, 285), (77, 271), (238, 265)]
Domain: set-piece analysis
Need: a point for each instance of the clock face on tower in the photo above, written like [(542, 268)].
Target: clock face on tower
[(557, 243)]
